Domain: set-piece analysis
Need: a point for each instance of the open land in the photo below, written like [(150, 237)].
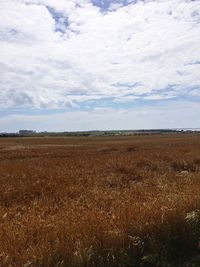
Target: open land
[(100, 201)]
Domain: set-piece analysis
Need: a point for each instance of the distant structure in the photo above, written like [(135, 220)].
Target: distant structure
[(9, 134), (26, 132), (31, 133)]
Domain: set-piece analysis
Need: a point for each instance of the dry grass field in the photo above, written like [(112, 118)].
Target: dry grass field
[(99, 202)]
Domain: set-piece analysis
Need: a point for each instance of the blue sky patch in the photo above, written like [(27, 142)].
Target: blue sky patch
[(61, 22), (106, 4)]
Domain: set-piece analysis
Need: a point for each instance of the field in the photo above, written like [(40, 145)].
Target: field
[(100, 202)]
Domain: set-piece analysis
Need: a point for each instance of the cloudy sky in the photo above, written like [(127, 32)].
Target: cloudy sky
[(99, 64)]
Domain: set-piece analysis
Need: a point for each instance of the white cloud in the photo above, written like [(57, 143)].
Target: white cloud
[(149, 46), (168, 115)]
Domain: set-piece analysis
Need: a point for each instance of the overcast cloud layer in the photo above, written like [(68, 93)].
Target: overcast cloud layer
[(85, 56)]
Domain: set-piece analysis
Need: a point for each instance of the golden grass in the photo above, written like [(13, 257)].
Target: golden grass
[(114, 201)]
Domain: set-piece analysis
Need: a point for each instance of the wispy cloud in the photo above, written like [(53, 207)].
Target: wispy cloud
[(166, 115), (62, 54)]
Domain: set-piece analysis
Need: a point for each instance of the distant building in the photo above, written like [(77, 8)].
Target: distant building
[(26, 132), (9, 134)]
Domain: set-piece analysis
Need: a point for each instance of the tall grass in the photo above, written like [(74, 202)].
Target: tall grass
[(98, 202)]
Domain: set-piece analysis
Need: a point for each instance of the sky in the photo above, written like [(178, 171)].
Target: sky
[(69, 65)]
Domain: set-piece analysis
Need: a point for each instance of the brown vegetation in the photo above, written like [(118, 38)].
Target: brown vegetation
[(97, 202)]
